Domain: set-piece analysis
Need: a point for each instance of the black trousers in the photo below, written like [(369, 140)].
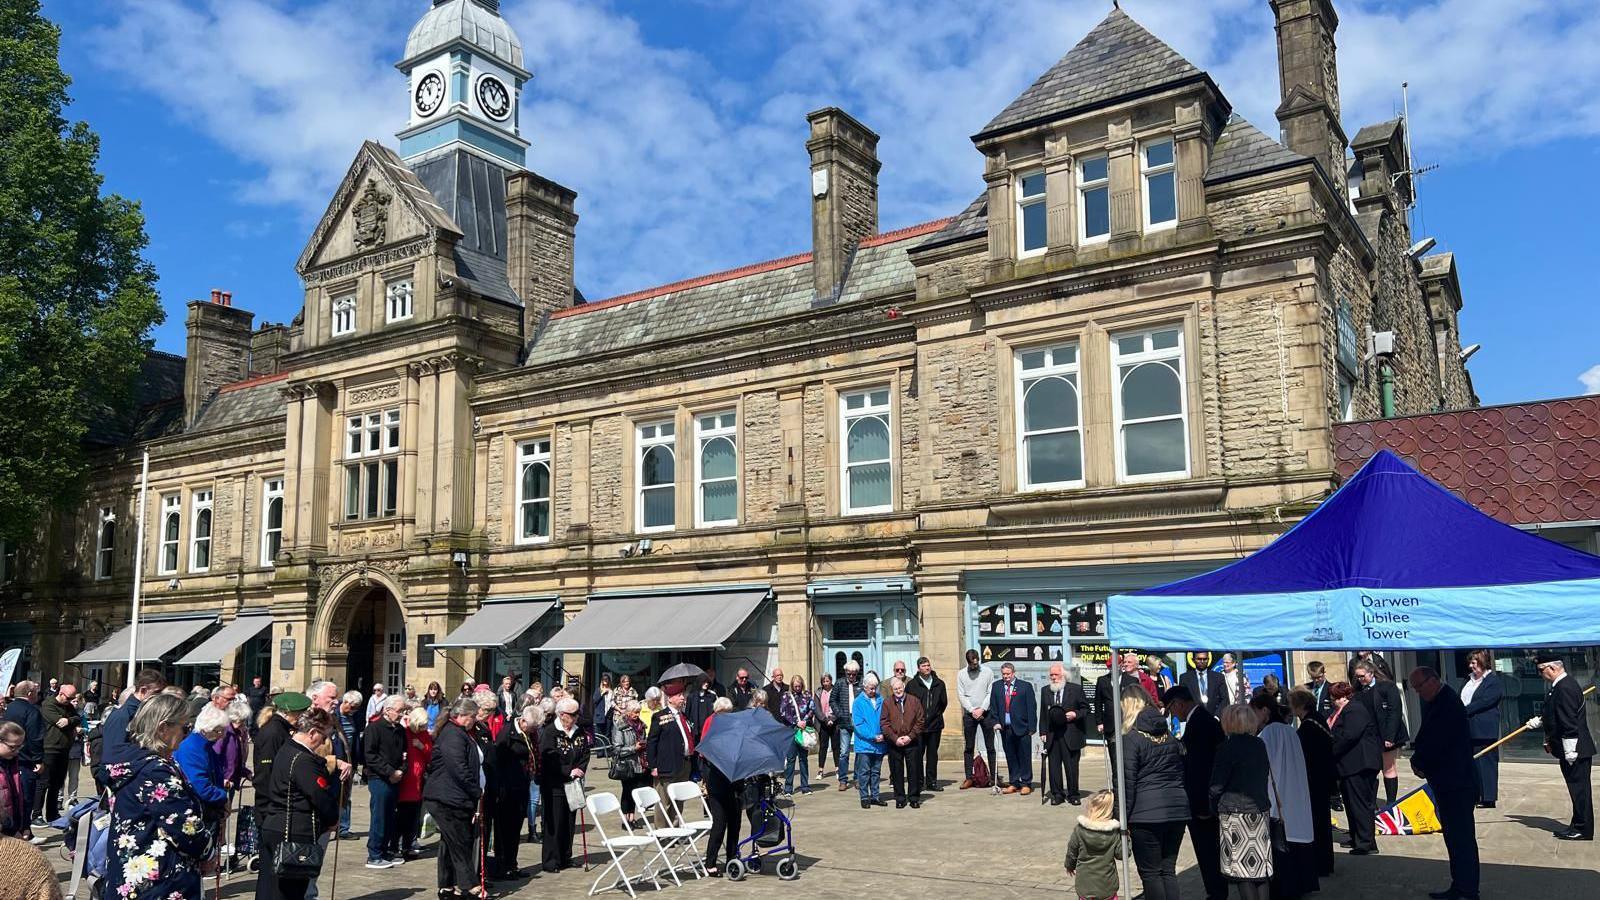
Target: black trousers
[(1581, 790), (56, 763), (930, 757), (560, 822), (1360, 793), (1155, 854), (408, 822), (458, 865), (827, 737), (1460, 837), (723, 797), (1061, 761), (1206, 836), (1488, 769), (971, 730), (905, 771), (509, 814)]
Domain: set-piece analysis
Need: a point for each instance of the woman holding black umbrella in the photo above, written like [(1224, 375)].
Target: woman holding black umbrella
[(563, 758), (722, 796)]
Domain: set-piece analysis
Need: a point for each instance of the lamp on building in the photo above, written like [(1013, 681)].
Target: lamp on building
[(459, 557), (1421, 247)]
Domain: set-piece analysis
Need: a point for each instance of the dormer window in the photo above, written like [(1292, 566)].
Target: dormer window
[(1094, 199), (1160, 185), (1031, 231), (397, 301), (344, 315)]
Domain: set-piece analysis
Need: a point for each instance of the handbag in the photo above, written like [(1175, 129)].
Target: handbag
[(574, 792), (296, 859), (624, 762), (806, 737), (1276, 829)]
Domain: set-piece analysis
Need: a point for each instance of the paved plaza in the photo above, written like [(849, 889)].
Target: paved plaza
[(971, 843)]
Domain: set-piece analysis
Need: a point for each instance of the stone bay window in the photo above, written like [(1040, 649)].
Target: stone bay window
[(372, 465)]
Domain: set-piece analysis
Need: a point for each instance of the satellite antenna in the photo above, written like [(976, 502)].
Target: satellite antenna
[(1415, 171)]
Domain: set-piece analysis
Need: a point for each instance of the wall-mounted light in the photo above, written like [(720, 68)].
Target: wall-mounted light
[(459, 557)]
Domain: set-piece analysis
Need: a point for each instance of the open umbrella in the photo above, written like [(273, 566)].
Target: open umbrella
[(745, 743), (679, 672)]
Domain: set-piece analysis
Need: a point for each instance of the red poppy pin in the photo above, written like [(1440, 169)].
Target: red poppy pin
[(322, 782)]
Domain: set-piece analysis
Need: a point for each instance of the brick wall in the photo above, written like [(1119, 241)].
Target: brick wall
[(761, 445), (962, 390)]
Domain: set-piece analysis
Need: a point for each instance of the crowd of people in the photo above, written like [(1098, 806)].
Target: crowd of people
[(1249, 773)]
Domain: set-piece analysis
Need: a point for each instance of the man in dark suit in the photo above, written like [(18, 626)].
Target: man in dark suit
[(669, 748), (1357, 758), (1105, 695), (1318, 686), (741, 690), (1567, 738), (1064, 713), (1441, 754), (1202, 735), (1015, 717), (1202, 683), (930, 691)]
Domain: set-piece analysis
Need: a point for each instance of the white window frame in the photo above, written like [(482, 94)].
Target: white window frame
[(1150, 355), (201, 502), (1022, 204), (868, 409), (342, 319), (1051, 369), (647, 435), (533, 453), (1147, 171), (371, 463), (171, 511), (104, 552), (726, 426), (271, 490), (1084, 187), (398, 300)]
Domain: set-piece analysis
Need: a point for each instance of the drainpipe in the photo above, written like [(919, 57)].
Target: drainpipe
[(1386, 388)]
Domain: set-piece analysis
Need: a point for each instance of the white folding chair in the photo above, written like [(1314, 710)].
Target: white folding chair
[(679, 795), (599, 806), (674, 837)]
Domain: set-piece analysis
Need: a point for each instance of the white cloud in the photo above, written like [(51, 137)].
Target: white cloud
[(1590, 379), (683, 166)]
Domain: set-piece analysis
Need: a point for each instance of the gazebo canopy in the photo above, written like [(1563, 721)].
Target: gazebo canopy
[(1390, 561)]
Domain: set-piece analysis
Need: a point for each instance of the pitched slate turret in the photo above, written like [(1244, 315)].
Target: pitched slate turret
[(1117, 59), (1243, 149)]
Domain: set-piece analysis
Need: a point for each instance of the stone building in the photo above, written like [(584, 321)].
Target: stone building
[(1120, 364)]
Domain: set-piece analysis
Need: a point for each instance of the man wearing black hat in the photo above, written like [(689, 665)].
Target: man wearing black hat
[(1567, 738)]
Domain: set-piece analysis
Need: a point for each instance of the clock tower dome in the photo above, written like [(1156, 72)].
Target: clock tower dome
[(463, 66)]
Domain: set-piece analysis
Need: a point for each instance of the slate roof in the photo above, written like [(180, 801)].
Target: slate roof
[(974, 220), (243, 403), (763, 291), (472, 192), (1117, 58), (1376, 134), (1242, 149), (157, 405)]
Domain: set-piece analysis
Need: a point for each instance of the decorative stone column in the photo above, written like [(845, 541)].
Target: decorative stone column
[(1002, 225), (1061, 201), (1123, 171), (1191, 146)]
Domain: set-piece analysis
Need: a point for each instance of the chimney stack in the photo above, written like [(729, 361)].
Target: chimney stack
[(1308, 80), (268, 345), (541, 229), (844, 194), (218, 350)]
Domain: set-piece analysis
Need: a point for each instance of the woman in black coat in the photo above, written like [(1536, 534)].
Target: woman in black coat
[(1357, 757), (299, 799), (1383, 700), (452, 789), (1238, 793), (1316, 744), (563, 758), (1158, 805), (516, 756), (1481, 696)]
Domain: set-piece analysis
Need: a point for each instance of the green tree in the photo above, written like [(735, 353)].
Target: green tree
[(77, 297)]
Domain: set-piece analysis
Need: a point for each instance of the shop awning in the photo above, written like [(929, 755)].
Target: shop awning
[(691, 620), (157, 638), (497, 623), (213, 649)]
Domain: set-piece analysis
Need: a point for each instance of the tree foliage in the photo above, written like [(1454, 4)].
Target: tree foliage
[(77, 297)]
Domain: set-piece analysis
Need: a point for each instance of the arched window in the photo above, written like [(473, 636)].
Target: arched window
[(657, 506), (1051, 452), (105, 543), (171, 519), (717, 497), (533, 491), (1151, 409), (868, 459), (200, 540), (271, 520)]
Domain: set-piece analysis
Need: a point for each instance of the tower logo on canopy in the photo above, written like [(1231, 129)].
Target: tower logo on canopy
[(1323, 631)]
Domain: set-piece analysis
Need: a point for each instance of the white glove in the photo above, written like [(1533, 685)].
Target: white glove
[(1569, 747), (1535, 722)]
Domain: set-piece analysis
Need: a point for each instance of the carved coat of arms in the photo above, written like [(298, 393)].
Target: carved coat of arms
[(371, 213)]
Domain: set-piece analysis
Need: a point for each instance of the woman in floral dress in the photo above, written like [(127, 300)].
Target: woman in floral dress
[(158, 837)]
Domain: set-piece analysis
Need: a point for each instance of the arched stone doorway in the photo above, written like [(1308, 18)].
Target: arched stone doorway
[(363, 636)]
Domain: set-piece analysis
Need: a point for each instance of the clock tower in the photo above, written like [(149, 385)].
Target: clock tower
[(464, 71)]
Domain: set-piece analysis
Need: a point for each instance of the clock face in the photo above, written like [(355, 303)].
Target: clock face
[(430, 93), (494, 98)]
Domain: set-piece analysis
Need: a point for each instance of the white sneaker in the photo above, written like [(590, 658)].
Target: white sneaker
[(380, 864)]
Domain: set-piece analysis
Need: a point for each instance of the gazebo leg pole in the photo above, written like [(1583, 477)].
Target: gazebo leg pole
[(1117, 769)]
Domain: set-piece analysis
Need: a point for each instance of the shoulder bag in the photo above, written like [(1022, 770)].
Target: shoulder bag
[(1276, 828), (296, 859), (624, 761)]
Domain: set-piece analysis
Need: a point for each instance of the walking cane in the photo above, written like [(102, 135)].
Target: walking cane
[(333, 883), (583, 832), (483, 852), (1496, 745)]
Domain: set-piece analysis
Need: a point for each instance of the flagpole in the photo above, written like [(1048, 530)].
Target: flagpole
[(138, 572)]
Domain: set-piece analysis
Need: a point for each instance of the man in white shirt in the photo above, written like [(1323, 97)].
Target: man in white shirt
[(1234, 679), (973, 685), (375, 702), (508, 696)]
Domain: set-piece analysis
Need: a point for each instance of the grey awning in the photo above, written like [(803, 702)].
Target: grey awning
[(497, 623), (212, 650), (157, 638), (686, 621)]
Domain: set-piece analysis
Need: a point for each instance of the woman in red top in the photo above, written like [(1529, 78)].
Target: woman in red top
[(419, 749)]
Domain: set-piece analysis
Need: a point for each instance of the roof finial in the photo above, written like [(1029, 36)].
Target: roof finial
[(1116, 4)]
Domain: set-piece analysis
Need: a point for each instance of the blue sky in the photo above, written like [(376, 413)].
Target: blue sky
[(681, 125)]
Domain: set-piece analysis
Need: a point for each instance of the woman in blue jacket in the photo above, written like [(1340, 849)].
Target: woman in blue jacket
[(201, 765), (1481, 696), (866, 718), (159, 839)]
